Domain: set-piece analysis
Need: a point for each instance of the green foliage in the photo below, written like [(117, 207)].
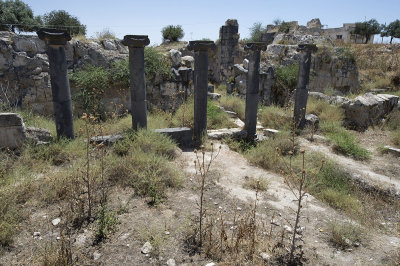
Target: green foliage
[(106, 223), (396, 137), (285, 27), (61, 19), (392, 30), (286, 76), (157, 66), (345, 142), (172, 33), (9, 217), (367, 28), (255, 32), (19, 16), (92, 81), (326, 112), (119, 72)]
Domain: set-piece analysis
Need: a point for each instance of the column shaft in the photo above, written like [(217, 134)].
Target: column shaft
[(200, 93)]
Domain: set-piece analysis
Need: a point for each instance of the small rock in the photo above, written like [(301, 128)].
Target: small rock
[(348, 242), (238, 208), (215, 203), (56, 221), (356, 244), (147, 247), (171, 262), (275, 223), (210, 264), (96, 255), (167, 233), (265, 256), (246, 64), (300, 230), (36, 234), (288, 228), (213, 96)]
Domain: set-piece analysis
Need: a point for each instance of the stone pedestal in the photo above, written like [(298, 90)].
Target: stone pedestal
[(136, 44), (200, 49), (56, 41), (252, 89), (300, 100)]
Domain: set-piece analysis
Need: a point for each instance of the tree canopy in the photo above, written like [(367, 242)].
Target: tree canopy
[(367, 28), (18, 16), (172, 33), (392, 30), (255, 32), (61, 19)]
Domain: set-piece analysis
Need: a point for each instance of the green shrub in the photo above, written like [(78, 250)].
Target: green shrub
[(286, 77), (396, 137), (255, 32), (172, 33), (393, 120), (157, 66), (106, 223), (91, 81), (119, 72)]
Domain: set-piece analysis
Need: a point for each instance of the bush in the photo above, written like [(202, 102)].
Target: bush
[(325, 112), (157, 66), (148, 173), (255, 32), (344, 235), (286, 77), (61, 19), (119, 72), (91, 82), (172, 33)]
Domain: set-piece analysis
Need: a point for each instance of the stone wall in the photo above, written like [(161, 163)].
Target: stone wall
[(25, 81)]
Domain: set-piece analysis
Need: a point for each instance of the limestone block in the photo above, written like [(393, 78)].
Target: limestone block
[(21, 59), (109, 45), (12, 130), (181, 135), (176, 57), (188, 61)]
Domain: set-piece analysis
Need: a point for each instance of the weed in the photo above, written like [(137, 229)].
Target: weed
[(325, 112), (396, 137), (105, 34), (275, 117), (259, 184), (234, 104), (106, 223), (344, 235)]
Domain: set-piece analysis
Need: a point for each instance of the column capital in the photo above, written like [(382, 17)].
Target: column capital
[(255, 46), (137, 41), (307, 47), (201, 46), (54, 36)]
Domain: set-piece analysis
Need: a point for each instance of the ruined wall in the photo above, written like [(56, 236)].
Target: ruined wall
[(228, 48), (25, 81)]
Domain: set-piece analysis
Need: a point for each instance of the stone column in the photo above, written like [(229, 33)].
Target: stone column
[(200, 49), (252, 88), (56, 41), (136, 44), (300, 100)]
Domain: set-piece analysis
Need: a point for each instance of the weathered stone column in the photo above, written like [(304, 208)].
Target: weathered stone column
[(56, 41), (200, 49), (253, 84), (300, 100), (136, 44)]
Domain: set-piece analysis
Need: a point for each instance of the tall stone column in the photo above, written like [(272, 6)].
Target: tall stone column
[(253, 84), (200, 49), (136, 44), (56, 41), (300, 100)]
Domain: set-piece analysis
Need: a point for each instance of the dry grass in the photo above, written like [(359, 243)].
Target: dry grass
[(260, 183), (234, 104), (325, 112), (275, 117), (345, 235)]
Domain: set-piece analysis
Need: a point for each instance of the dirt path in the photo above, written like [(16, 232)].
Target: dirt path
[(233, 169)]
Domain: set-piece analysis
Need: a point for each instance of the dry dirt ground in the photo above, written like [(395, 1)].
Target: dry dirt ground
[(167, 226)]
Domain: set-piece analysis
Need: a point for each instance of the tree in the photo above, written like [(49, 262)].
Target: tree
[(18, 16), (367, 28), (172, 33), (285, 27), (393, 30), (255, 32), (61, 19)]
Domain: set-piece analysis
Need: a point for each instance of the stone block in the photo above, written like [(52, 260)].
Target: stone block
[(38, 134), (181, 135), (106, 140), (12, 130), (213, 96)]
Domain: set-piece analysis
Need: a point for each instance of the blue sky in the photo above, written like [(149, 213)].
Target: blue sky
[(202, 19)]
